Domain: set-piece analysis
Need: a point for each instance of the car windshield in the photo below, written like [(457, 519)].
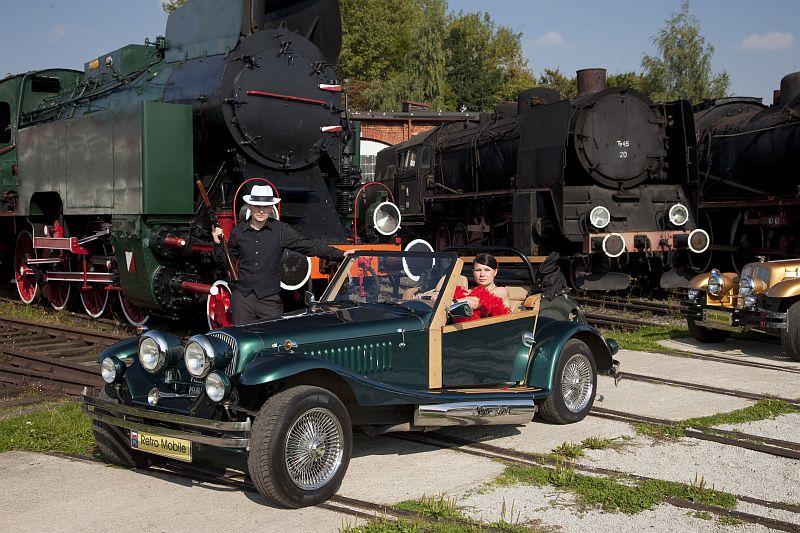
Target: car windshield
[(391, 277)]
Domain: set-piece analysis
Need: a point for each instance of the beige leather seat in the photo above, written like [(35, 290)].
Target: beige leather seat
[(516, 297)]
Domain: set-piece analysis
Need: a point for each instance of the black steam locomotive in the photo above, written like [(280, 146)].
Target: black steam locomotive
[(749, 167), (607, 179)]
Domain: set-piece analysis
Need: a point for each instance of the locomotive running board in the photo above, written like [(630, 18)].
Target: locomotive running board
[(494, 412)]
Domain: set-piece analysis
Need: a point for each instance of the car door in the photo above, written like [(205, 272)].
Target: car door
[(484, 352)]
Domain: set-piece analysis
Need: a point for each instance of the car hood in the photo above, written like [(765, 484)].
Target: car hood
[(330, 323)]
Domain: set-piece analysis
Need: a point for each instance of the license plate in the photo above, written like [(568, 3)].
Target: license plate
[(180, 449), (717, 317)]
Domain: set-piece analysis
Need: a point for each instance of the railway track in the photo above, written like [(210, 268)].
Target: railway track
[(621, 304), (52, 357), (490, 451)]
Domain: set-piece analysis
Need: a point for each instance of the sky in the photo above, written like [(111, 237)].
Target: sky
[(756, 42)]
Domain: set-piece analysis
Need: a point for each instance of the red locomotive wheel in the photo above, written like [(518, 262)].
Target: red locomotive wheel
[(57, 293), (136, 316), (218, 306), (94, 300), (25, 279)]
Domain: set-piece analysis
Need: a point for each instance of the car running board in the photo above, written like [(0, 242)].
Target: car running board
[(495, 412)]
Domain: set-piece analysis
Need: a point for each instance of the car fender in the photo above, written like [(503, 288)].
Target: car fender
[(122, 350), (550, 340), (700, 281), (785, 289)]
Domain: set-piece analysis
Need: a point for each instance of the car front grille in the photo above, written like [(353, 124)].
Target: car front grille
[(230, 341)]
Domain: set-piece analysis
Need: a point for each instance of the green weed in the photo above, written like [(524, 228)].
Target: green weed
[(599, 443), (62, 428), (568, 450)]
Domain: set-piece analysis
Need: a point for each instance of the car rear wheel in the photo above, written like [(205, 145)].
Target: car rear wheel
[(790, 337), (300, 446), (113, 443), (706, 335), (575, 385)]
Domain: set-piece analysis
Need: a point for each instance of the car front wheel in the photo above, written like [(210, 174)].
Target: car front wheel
[(575, 385), (706, 335), (300, 446), (114, 443), (790, 337)]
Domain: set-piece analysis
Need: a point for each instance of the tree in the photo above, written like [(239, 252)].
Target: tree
[(568, 87), (172, 5), (682, 68)]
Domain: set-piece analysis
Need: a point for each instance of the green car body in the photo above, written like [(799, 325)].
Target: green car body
[(395, 365)]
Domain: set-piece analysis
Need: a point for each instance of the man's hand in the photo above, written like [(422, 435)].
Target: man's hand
[(217, 234)]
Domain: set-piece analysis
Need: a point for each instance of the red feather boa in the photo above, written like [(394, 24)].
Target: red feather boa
[(490, 305)]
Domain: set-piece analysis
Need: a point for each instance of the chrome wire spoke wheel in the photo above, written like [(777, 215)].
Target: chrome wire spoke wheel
[(577, 383), (314, 448)]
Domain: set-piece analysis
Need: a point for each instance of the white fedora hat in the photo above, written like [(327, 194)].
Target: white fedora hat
[(261, 195)]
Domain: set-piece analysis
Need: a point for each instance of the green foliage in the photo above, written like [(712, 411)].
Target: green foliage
[(440, 507), (762, 410), (172, 5), (682, 68), (646, 339), (599, 443), (62, 428), (568, 86), (612, 494), (569, 450)]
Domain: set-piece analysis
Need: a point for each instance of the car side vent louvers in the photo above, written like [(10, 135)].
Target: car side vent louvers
[(230, 341), (368, 358)]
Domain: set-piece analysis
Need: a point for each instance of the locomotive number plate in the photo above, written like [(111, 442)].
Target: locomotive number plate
[(173, 448), (717, 317)]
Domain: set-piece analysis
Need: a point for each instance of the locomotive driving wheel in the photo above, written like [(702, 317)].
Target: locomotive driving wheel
[(58, 292), (135, 315), (460, 237), (442, 238), (747, 240), (24, 276)]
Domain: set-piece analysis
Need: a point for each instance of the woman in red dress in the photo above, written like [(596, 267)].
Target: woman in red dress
[(487, 299)]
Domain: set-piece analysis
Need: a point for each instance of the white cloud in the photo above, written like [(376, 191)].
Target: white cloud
[(773, 41), (551, 38), (57, 33)]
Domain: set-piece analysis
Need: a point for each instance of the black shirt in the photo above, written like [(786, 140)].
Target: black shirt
[(260, 252)]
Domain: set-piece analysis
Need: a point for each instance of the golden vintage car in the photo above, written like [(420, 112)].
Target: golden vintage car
[(764, 298)]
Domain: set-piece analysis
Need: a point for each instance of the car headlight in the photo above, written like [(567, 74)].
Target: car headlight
[(693, 295), (111, 369), (199, 356), (217, 386), (715, 283), (599, 217), (747, 286), (151, 355), (678, 214)]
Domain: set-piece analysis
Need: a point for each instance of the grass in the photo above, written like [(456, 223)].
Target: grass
[(599, 443), (569, 450), (35, 313), (446, 519), (614, 494), (63, 428), (646, 339), (762, 410)]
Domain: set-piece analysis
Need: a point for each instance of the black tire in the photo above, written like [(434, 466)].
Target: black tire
[(706, 335), (555, 409), (790, 337), (267, 462), (113, 443)]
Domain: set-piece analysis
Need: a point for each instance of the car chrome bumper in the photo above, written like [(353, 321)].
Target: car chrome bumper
[(193, 429), (740, 318)]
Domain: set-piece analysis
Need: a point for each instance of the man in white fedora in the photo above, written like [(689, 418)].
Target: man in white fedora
[(258, 244)]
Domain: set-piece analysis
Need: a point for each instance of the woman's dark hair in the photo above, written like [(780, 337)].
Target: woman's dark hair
[(486, 259)]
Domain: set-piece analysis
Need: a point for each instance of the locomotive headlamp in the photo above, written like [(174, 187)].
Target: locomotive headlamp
[(157, 349), (217, 386), (693, 295), (747, 286), (199, 356), (386, 218), (715, 283), (111, 369), (599, 217), (678, 214)]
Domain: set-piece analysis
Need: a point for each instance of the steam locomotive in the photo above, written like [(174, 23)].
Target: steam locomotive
[(608, 179), (101, 171), (749, 168)]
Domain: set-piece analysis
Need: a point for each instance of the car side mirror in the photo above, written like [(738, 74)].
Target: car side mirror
[(460, 310), (309, 298)]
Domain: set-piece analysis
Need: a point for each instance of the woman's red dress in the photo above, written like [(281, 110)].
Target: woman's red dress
[(491, 305)]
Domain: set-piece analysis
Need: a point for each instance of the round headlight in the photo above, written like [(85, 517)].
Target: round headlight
[(150, 354), (217, 386), (747, 287), (678, 214), (198, 362), (750, 301), (693, 294), (599, 217), (715, 283), (109, 370)]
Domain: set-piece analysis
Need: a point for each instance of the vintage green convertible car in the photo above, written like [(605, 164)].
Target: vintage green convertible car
[(379, 351)]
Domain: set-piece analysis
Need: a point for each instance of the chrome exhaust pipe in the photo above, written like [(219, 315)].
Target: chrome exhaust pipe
[(494, 413)]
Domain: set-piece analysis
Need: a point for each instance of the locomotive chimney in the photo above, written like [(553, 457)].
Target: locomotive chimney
[(776, 97), (591, 80), (790, 88)]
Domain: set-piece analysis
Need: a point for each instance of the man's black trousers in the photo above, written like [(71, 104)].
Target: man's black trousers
[(250, 308)]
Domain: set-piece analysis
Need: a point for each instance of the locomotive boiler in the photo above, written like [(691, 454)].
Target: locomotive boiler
[(100, 169), (749, 166), (606, 179)]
